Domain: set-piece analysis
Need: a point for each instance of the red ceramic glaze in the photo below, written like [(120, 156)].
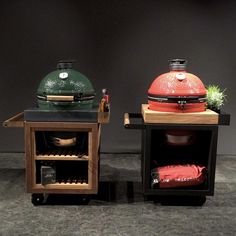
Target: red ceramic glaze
[(175, 107), (177, 83), (168, 84)]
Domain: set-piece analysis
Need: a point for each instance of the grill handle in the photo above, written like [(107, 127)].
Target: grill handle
[(129, 125), (60, 98)]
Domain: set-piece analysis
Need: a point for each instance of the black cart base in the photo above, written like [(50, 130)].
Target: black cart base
[(157, 152)]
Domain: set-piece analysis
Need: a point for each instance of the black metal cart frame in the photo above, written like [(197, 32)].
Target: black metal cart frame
[(204, 151)]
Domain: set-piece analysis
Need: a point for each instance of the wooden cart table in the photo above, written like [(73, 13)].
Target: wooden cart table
[(66, 169)]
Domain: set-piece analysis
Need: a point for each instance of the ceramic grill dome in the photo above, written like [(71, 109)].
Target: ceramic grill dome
[(66, 89), (177, 90)]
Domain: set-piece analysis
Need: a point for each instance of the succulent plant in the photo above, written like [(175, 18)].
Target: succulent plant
[(215, 97)]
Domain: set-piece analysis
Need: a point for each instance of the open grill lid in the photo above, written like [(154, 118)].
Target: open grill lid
[(177, 87)]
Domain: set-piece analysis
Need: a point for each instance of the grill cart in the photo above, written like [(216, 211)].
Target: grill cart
[(62, 136), (179, 138)]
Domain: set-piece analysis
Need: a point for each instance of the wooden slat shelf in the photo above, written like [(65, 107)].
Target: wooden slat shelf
[(61, 154), (58, 185), (61, 158)]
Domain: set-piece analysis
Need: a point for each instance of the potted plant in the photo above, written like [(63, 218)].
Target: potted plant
[(215, 97)]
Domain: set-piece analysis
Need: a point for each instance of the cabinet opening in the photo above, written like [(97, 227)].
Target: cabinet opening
[(61, 172), (163, 153), (57, 143), (172, 148)]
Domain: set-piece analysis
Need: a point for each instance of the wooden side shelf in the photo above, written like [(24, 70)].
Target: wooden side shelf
[(157, 117), (16, 121)]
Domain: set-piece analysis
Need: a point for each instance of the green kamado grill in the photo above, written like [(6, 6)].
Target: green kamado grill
[(65, 89)]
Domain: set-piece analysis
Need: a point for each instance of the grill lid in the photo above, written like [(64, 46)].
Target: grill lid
[(65, 86), (177, 87)]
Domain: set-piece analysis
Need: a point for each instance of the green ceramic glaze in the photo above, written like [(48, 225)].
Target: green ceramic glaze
[(66, 82)]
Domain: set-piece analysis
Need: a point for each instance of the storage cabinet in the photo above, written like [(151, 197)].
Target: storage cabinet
[(62, 151), (76, 167), (158, 152)]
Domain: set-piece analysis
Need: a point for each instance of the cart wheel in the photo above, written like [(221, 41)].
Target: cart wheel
[(199, 201), (84, 200), (37, 199)]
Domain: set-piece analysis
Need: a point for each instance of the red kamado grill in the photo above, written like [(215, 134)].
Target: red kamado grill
[(177, 90)]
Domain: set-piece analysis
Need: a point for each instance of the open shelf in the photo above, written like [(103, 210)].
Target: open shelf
[(72, 172), (54, 145), (196, 153), (161, 151)]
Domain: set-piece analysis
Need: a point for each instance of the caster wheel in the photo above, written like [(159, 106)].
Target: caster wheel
[(199, 201), (84, 200), (37, 199)]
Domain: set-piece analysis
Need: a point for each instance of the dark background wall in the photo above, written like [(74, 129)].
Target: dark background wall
[(119, 44)]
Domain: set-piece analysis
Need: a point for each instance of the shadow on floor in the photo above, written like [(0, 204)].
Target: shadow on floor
[(109, 193)]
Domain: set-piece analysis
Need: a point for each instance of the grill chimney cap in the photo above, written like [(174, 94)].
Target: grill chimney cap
[(178, 64), (65, 64)]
